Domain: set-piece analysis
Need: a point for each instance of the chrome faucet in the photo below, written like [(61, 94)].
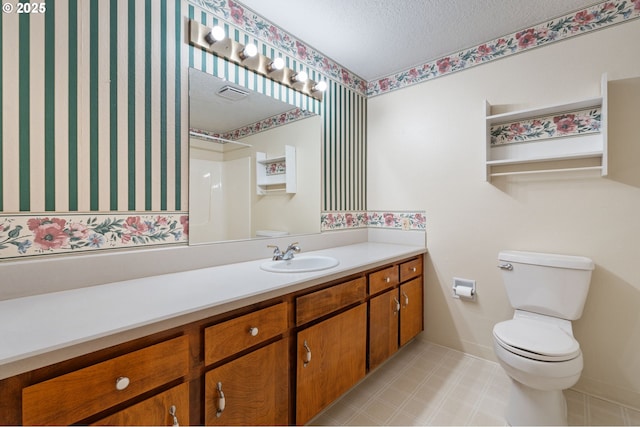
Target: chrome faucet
[(287, 254)]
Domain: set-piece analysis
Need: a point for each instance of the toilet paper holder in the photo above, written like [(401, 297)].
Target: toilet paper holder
[(464, 289)]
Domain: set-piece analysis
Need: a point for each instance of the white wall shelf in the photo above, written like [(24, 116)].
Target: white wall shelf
[(276, 174), (557, 148)]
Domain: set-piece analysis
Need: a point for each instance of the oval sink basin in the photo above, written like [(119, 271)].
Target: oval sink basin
[(301, 264)]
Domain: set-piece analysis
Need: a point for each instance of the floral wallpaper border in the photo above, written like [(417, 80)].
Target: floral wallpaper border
[(331, 221), (263, 125), (567, 124), (592, 18), (31, 235), (58, 233)]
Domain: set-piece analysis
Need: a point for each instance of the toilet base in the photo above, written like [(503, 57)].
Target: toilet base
[(528, 406)]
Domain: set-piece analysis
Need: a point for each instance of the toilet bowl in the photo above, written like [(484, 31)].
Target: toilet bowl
[(536, 348)]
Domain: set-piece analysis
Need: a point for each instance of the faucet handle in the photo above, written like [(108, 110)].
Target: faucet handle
[(293, 246), (277, 254)]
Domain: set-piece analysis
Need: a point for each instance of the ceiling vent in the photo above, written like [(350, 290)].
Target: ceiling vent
[(232, 93)]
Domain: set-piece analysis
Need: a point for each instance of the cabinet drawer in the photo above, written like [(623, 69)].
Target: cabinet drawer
[(158, 410), (317, 304), (410, 269), (383, 279), (230, 337), (72, 397)]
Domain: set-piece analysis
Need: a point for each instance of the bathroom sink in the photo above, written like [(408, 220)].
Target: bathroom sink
[(300, 264)]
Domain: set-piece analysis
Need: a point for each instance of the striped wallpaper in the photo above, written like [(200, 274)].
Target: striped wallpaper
[(94, 113)]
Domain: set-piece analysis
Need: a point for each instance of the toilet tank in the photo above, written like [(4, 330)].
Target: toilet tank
[(550, 284)]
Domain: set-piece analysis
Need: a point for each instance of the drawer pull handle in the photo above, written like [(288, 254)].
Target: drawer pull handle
[(122, 383), (253, 331), (221, 401), (397, 306), (406, 299), (307, 359), (172, 412), (413, 269)]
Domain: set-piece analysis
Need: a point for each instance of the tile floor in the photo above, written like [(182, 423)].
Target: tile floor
[(426, 384)]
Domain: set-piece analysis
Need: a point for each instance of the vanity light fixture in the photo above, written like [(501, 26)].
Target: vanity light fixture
[(216, 34), (321, 86), (249, 51), (275, 65), (215, 41)]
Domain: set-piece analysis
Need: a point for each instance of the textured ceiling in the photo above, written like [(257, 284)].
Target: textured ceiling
[(377, 38)]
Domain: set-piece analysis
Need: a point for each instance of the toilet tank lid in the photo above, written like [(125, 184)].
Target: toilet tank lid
[(548, 260)]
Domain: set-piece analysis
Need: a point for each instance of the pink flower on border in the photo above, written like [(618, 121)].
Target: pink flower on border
[(135, 225), (78, 231), (35, 223), (419, 219), (444, 65), (348, 219), (583, 17), (384, 84), (330, 219), (413, 73), (162, 220), (389, 219), (184, 221), (237, 13), (301, 50), (346, 78), (636, 5), (483, 51), (50, 236), (274, 34), (565, 124), (517, 129), (526, 38)]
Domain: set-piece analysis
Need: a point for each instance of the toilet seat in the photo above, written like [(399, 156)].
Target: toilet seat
[(536, 340)]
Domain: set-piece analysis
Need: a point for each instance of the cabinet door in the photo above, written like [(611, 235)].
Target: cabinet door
[(255, 389), (331, 359), (164, 409), (411, 312), (384, 313)]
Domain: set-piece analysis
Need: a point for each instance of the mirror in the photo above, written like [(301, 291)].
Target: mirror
[(244, 180)]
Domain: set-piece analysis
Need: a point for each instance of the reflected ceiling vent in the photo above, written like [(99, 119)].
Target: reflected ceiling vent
[(232, 93)]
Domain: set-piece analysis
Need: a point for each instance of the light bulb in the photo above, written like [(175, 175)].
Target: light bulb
[(301, 77), (215, 35), (249, 51), (276, 64), (321, 86)]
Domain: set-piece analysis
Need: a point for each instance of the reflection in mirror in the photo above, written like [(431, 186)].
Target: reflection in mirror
[(230, 130)]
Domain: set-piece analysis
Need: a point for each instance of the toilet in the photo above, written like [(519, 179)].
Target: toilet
[(537, 348)]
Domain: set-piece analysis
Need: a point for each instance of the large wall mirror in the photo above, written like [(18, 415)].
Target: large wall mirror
[(233, 135)]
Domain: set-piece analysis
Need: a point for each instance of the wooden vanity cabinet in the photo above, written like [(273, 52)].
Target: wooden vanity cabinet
[(331, 358), (248, 388), (83, 393), (395, 316), (276, 362)]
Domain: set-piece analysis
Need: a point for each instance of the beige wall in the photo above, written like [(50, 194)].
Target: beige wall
[(426, 148)]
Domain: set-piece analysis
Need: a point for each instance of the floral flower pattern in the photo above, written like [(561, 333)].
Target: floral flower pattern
[(574, 123), (263, 125), (24, 235), (399, 220)]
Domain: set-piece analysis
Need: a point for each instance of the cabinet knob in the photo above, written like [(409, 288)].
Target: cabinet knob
[(253, 331), (413, 269), (122, 383), (307, 359), (388, 279), (222, 402), (172, 412)]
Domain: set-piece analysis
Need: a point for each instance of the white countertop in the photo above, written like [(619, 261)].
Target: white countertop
[(31, 328)]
